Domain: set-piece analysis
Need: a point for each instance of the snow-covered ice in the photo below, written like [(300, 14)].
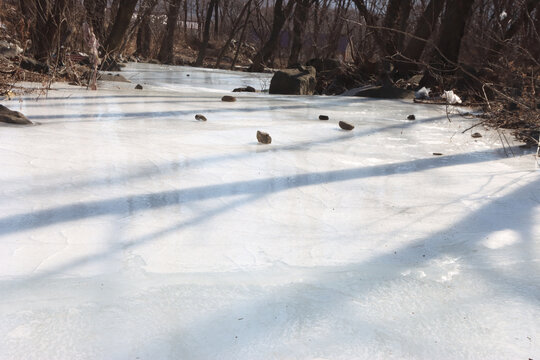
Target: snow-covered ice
[(129, 230)]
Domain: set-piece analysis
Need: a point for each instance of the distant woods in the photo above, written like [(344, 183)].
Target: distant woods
[(403, 35)]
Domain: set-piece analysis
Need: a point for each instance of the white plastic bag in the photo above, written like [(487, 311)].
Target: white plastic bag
[(423, 93), (451, 98)]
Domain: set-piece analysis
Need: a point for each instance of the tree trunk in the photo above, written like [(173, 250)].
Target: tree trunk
[(120, 25), (144, 38), (452, 29), (425, 26), (95, 10), (337, 28), (362, 8), (185, 17), (113, 11), (144, 11), (280, 16), (233, 32), (397, 14), (299, 22), (47, 28), (371, 21), (314, 53), (404, 13), (166, 52), (216, 18), (242, 37), (536, 50), (537, 23), (197, 12), (206, 34), (390, 21)]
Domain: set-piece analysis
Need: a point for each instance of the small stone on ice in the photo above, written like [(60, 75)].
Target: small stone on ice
[(138, 87), (437, 154), (200, 117), (411, 117), (228, 98), (263, 138), (245, 89), (323, 117), (476, 135), (345, 126)]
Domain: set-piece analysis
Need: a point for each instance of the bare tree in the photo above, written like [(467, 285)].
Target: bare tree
[(144, 38), (390, 21), (366, 14), (402, 23), (49, 21), (166, 51), (301, 12), (336, 29), (233, 31), (517, 24), (452, 29), (424, 28), (120, 25), (95, 10), (143, 16), (242, 37), (280, 16), (185, 17), (216, 18), (206, 34), (371, 22)]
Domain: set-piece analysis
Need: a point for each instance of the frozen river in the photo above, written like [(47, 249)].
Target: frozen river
[(129, 230)]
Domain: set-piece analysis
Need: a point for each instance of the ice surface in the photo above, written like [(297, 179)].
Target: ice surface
[(189, 78), (129, 230)]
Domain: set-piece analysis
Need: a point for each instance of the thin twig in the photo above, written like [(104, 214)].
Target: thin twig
[(447, 116), (485, 96), (510, 147), (475, 125), (538, 152), (502, 142)]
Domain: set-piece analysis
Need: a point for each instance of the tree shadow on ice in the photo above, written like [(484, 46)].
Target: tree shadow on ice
[(292, 104), (49, 101), (253, 189), (117, 247), (154, 114), (168, 167), (182, 100), (308, 290), (135, 203), (323, 103), (337, 285), (142, 100)]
